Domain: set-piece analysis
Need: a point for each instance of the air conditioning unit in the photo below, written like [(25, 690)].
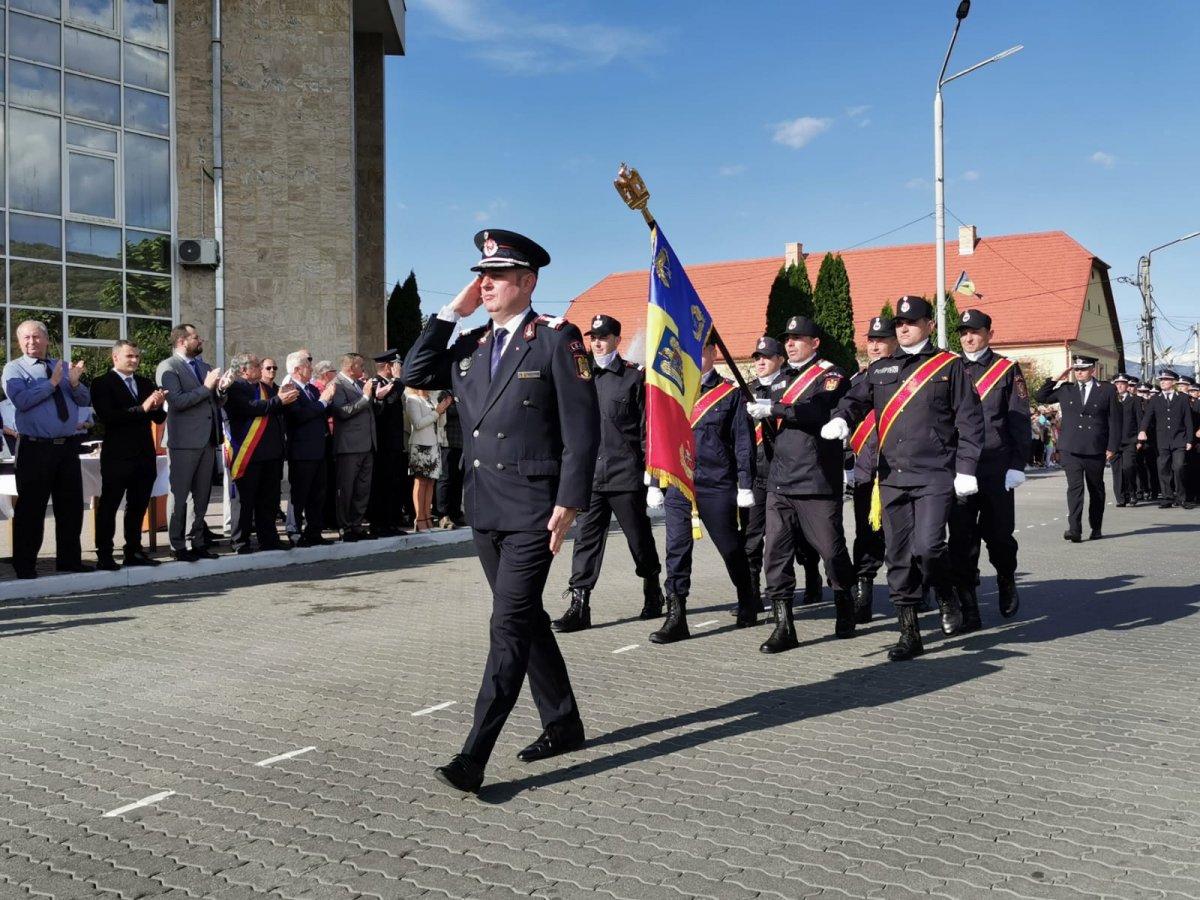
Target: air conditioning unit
[(198, 252)]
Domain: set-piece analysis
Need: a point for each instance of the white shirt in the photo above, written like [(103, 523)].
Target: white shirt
[(802, 363), (975, 357), (913, 351), (768, 380)]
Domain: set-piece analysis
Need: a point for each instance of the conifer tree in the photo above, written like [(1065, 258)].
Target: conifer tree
[(886, 310), (404, 314), (791, 295), (834, 313)]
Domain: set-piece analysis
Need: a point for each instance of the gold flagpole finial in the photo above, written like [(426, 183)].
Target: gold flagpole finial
[(633, 191)]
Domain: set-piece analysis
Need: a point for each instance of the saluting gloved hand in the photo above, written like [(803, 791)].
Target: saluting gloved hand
[(745, 498), (654, 497), (965, 485), (759, 409), (836, 429), (1013, 478)]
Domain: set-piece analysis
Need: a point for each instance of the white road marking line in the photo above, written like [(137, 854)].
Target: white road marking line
[(146, 801), (623, 649), (283, 756), (706, 624), (430, 709)]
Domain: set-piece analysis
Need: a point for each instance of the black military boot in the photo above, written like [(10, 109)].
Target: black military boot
[(749, 603), (652, 605), (926, 604), (675, 628), (843, 605), (968, 602), (1009, 601), (952, 616), (578, 616), (784, 636), (909, 644), (812, 584), (863, 598)]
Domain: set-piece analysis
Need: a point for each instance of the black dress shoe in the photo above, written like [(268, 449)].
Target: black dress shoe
[(349, 537), (27, 573), (107, 563), (203, 553), (1095, 535), (462, 773), (1120, 503), (1073, 536), (556, 739), (139, 558), (243, 551), (73, 567), (1166, 505), (184, 555)]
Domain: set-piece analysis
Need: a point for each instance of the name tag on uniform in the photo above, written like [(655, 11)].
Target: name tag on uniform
[(533, 373)]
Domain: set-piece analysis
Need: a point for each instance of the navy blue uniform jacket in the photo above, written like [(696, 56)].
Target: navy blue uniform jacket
[(1169, 423), (724, 440), (1090, 429), (805, 463), (1007, 437), (307, 422), (621, 392)]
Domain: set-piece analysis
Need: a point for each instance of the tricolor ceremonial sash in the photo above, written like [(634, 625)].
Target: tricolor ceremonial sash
[(240, 447), (862, 433), (988, 379), (909, 389), (708, 400)]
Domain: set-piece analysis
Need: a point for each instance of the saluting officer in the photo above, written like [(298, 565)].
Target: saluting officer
[(618, 486), (723, 477), (531, 430), (990, 516), (930, 437), (1168, 417), (1124, 464), (804, 489), (1088, 437)]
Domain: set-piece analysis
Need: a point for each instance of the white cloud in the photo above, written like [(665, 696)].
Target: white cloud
[(798, 132), (918, 184), (969, 175), (854, 112), (1104, 160), (729, 171)]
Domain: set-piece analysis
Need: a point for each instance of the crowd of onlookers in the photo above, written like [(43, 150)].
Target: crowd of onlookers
[(1044, 422)]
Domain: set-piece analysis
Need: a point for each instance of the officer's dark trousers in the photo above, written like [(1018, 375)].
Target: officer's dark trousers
[(516, 564), (258, 504), (1191, 473), (449, 491), (754, 535), (133, 480), (630, 510), (817, 520), (719, 517), (1147, 471), (307, 478), (914, 529), (868, 543), (385, 506), (1084, 470), (1170, 474), (47, 470), (1124, 473), (988, 516)]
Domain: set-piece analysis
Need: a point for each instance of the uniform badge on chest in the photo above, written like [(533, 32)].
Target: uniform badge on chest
[(464, 364)]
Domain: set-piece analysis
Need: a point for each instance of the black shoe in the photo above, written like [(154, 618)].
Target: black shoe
[(784, 636), (747, 610), (1166, 505), (210, 538), (364, 535), (349, 537), (1095, 535), (968, 601), (555, 740), (203, 553), (675, 628), (845, 623), (909, 645), (1120, 503), (1073, 536), (278, 545), (1189, 505), (313, 542), (244, 550), (184, 555), (138, 558), (578, 616), (462, 773), (1010, 602), (863, 599), (952, 614), (106, 563), (27, 573), (73, 567), (652, 598)]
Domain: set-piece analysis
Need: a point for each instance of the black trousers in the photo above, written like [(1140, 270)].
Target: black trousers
[(987, 517), (914, 528), (719, 516), (1124, 473), (258, 504), (588, 555), (352, 483), (1191, 473), (385, 507), (754, 535), (449, 489), (1147, 471), (816, 520), (1170, 474), (308, 479), (47, 471), (133, 480), (868, 543), (1084, 471), (516, 564)]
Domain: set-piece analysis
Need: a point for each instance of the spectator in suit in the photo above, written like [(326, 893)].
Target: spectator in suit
[(196, 393), (307, 437), (353, 444), (128, 405), (324, 374)]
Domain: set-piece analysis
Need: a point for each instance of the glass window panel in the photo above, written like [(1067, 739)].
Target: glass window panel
[(146, 22), (147, 182), (34, 86), (93, 245), (52, 319), (92, 12), (146, 112), (92, 53), (147, 68), (35, 236), (146, 251), (93, 138), (36, 284), (93, 289), (35, 158), (153, 336), (93, 181), (93, 328), (88, 98), (44, 7), (34, 38), (149, 295)]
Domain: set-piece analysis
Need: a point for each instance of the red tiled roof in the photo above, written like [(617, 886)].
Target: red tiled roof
[(1032, 285)]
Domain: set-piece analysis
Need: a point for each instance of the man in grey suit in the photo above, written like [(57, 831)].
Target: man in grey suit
[(195, 394), (353, 443)]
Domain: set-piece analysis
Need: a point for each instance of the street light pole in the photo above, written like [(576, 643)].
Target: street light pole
[(1148, 299)]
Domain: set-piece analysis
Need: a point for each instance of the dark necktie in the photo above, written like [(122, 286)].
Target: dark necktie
[(499, 339), (132, 387), (60, 402), (195, 366), (312, 391)]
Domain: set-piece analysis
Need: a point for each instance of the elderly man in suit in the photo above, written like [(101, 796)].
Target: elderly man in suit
[(307, 430), (128, 405), (195, 395), (353, 443)]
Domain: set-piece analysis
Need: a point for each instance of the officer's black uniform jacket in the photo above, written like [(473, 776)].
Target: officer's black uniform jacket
[(806, 463), (765, 449), (866, 461), (531, 434), (1007, 438), (621, 392), (724, 441), (1087, 430), (1130, 408), (389, 417), (1170, 423), (940, 432)]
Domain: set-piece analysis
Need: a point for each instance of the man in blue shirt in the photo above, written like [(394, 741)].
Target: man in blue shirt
[(46, 394)]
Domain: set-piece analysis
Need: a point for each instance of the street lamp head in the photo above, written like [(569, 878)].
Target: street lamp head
[(963, 9)]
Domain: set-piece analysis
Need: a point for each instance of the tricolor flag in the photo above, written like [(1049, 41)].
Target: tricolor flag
[(965, 285), (677, 327)]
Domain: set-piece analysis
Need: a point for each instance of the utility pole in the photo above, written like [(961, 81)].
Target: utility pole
[(1143, 283)]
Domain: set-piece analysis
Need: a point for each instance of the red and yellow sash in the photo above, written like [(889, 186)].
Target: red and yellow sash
[(708, 400), (988, 379), (238, 456), (909, 389), (795, 389), (862, 433)]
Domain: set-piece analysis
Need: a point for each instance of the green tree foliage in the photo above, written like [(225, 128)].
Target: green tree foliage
[(886, 310), (404, 319), (953, 344), (834, 313), (791, 295)]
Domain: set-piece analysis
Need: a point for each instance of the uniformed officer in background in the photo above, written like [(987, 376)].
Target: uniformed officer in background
[(990, 516), (1089, 435), (1191, 470), (531, 431), (805, 485), (1147, 453), (391, 485), (618, 487), (723, 479), (930, 437), (1124, 464), (1168, 417)]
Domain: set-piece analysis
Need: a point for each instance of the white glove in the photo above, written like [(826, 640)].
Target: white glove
[(965, 485), (849, 477), (836, 429), (654, 497), (759, 409), (745, 498), (1013, 478), (647, 480)]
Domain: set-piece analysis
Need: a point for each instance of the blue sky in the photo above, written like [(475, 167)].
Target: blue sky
[(760, 123)]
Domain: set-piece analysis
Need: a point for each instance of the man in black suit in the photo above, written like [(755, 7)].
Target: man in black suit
[(307, 427), (531, 434), (1089, 436), (126, 404), (1168, 417), (1124, 464)]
